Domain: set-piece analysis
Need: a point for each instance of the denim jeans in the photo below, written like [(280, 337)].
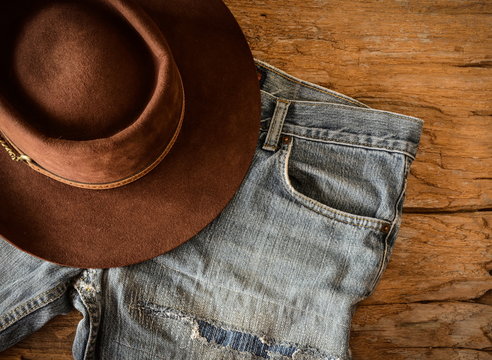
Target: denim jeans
[(276, 275)]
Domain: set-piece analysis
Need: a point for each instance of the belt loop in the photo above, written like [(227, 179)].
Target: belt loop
[(276, 124)]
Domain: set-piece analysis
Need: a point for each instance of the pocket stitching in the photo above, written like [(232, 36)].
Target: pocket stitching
[(301, 198)]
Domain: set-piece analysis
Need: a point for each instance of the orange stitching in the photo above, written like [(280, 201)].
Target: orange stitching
[(350, 142), (282, 100), (345, 142)]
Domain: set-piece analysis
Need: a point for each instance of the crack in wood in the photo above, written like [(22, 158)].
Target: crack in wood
[(438, 347), (425, 302), (478, 64), (446, 211)]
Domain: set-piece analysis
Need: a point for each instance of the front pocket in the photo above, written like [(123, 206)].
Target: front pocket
[(351, 184)]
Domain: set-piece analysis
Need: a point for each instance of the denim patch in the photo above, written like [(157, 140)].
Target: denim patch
[(241, 341)]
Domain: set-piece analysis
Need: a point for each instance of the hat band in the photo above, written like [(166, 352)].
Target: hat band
[(17, 155)]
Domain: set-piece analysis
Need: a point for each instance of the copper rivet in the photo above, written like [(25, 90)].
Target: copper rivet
[(386, 228), (286, 139)]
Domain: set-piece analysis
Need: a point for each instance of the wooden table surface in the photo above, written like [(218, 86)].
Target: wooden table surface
[(429, 59)]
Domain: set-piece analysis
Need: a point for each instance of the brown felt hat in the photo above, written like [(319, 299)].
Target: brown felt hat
[(127, 125)]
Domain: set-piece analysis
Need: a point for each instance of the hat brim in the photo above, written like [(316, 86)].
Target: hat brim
[(186, 191)]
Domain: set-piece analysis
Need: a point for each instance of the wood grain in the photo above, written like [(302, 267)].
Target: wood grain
[(435, 298), (440, 325), (430, 59), (439, 257)]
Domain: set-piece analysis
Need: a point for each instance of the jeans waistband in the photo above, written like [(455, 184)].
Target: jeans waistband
[(315, 112)]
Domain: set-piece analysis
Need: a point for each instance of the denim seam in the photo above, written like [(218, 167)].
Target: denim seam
[(31, 306), (283, 164), (246, 294), (88, 351), (384, 258), (309, 85), (162, 312), (326, 103), (349, 143), (325, 140), (87, 290)]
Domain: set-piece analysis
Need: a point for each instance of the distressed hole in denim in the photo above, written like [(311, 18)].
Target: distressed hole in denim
[(212, 333), (241, 341)]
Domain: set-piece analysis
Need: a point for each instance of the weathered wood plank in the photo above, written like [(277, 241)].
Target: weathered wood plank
[(437, 258), (420, 353), (458, 325), (430, 59)]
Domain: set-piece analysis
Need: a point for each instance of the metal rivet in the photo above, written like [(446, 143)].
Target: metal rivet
[(286, 139), (386, 228)]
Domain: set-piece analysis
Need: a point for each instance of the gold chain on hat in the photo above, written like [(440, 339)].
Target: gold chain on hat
[(14, 156)]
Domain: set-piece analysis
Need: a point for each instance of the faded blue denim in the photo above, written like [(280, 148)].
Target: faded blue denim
[(276, 275)]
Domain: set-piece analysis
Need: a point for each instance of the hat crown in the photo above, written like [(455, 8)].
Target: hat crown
[(93, 97), (87, 72)]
